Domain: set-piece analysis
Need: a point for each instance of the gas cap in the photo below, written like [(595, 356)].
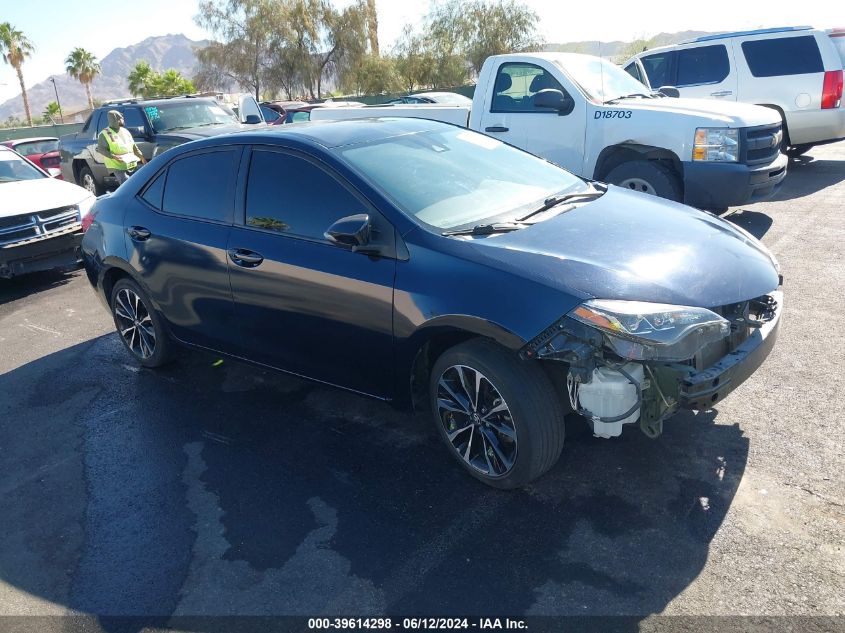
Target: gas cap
[(803, 100)]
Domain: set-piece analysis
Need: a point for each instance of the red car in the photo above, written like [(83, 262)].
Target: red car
[(43, 151)]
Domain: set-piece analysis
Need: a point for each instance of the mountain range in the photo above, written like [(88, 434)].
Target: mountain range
[(161, 52)]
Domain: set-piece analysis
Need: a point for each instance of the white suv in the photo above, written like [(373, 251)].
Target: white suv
[(795, 70)]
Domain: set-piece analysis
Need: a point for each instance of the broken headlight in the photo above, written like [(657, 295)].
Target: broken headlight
[(652, 331)]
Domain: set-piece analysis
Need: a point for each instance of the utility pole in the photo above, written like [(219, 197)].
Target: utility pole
[(56, 90)]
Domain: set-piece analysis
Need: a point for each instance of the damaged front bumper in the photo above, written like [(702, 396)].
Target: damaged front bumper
[(666, 387)]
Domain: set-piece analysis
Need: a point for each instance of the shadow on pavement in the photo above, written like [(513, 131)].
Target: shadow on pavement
[(226, 490), (25, 285), (806, 175), (756, 223)]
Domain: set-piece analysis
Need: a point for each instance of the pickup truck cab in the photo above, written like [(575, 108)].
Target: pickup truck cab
[(595, 120), (156, 125)]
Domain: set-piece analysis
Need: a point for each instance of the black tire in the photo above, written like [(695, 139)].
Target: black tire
[(533, 414), (797, 150), (88, 182), (647, 176), (140, 327)]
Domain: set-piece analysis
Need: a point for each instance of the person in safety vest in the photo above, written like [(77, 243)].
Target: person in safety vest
[(120, 153)]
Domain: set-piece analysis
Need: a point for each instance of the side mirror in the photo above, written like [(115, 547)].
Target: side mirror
[(352, 231), (138, 132), (669, 91), (554, 100), (252, 119)]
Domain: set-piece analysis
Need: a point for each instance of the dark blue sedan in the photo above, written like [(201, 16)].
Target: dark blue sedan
[(431, 266)]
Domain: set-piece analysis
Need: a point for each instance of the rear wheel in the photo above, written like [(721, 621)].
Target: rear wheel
[(140, 327), (647, 176), (87, 181), (797, 150), (498, 415)]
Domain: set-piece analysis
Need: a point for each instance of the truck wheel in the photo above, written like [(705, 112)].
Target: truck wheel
[(87, 181), (499, 416), (647, 176), (797, 150)]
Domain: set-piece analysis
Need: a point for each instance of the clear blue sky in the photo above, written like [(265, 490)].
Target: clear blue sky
[(57, 27)]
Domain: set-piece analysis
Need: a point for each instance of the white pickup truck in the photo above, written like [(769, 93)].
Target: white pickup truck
[(592, 118)]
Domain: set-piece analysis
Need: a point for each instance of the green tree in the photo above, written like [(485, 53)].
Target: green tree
[(412, 59), (169, 84), (372, 75), (244, 32), (16, 48), (140, 79), (51, 110), (84, 67)]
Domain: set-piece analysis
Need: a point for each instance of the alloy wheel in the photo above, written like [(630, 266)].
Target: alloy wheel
[(476, 420), (89, 184), (134, 323)]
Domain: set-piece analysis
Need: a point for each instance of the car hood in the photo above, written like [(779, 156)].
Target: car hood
[(725, 113), (195, 133), (30, 196), (632, 246)]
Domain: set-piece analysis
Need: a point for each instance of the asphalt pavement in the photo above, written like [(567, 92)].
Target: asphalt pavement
[(211, 488)]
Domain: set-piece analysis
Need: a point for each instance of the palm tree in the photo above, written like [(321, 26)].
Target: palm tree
[(141, 79), (82, 65), (15, 48), (51, 110)]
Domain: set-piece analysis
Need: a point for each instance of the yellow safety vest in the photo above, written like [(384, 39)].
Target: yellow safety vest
[(119, 142)]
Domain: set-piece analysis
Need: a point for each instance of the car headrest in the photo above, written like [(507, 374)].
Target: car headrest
[(503, 82)]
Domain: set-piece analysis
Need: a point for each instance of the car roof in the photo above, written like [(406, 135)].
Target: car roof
[(721, 36), (332, 134), (32, 139)]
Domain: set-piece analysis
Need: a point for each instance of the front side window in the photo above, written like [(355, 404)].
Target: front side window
[(102, 122), (783, 56), (449, 178), (202, 185), (702, 65), (658, 68), (516, 85), (132, 118), (291, 195), (270, 115)]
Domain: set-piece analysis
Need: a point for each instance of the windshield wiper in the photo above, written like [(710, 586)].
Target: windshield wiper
[(553, 201), (630, 96), (487, 229)]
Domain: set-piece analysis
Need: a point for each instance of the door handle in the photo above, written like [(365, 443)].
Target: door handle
[(138, 233), (496, 128), (722, 93), (245, 258)]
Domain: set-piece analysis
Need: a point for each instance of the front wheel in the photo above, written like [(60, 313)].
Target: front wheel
[(499, 416), (647, 176), (140, 327)]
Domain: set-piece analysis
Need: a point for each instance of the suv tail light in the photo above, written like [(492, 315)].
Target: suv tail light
[(832, 89)]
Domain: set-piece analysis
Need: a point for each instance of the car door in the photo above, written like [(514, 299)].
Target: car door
[(136, 122), (304, 304), (177, 229), (512, 116)]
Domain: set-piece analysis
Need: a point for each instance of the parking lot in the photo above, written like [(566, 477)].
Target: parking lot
[(214, 488)]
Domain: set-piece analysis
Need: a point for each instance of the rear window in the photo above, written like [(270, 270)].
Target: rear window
[(783, 56), (702, 65), (202, 185), (37, 147)]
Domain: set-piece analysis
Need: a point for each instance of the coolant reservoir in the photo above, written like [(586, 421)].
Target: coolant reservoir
[(610, 394)]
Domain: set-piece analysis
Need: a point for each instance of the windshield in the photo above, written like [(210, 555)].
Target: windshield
[(14, 168), (451, 97), (454, 177), (185, 114), (600, 79)]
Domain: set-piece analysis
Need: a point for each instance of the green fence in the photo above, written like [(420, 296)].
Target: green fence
[(7, 134)]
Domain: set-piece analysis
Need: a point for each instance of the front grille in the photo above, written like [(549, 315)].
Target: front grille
[(19, 228), (761, 144)]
